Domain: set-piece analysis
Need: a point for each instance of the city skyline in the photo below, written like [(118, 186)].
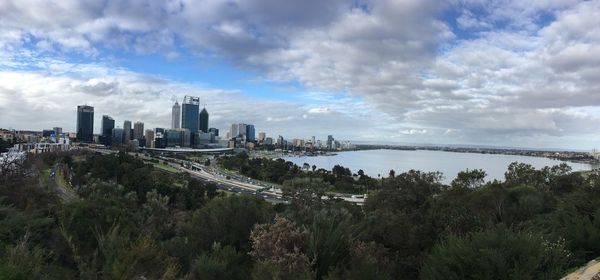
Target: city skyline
[(462, 72)]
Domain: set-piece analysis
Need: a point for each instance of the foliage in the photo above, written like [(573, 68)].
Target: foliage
[(130, 220), (280, 251), (496, 254), (279, 171)]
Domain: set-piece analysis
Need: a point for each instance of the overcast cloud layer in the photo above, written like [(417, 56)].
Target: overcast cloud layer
[(512, 73)]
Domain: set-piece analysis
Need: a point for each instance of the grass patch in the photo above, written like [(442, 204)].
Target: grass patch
[(61, 182), (165, 167)]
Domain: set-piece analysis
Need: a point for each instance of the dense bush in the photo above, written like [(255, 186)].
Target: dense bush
[(125, 219)]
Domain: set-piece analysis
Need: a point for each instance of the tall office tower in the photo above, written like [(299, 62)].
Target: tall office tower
[(214, 131), (85, 123), (176, 116), (330, 143), (126, 132), (57, 131), (149, 136), (117, 136), (233, 132), (242, 129), (261, 137), (106, 132), (190, 110), (203, 122), (138, 131), (280, 141), (250, 133), (159, 138)]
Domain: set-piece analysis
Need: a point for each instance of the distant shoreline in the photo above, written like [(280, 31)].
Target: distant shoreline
[(570, 156)]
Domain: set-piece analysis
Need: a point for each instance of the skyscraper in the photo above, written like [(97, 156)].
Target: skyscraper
[(214, 131), (108, 124), (261, 136), (203, 122), (330, 142), (126, 132), (57, 131), (175, 116), (117, 136), (85, 123), (149, 137), (233, 132), (190, 113), (250, 133), (138, 131)]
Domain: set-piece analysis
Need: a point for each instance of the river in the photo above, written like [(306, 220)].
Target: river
[(379, 162)]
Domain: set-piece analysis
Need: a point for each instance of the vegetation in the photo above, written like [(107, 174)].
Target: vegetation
[(5, 145), (279, 171), (131, 220)]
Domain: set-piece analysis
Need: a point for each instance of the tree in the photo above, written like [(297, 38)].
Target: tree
[(220, 263), (280, 251), (469, 179), (228, 221), (497, 254), (519, 173), (329, 236)]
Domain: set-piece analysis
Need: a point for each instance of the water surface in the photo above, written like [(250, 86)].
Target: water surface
[(379, 162)]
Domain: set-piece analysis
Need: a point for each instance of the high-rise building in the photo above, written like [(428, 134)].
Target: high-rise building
[(233, 132), (175, 116), (238, 130), (203, 121), (190, 110), (57, 131), (138, 131), (261, 137), (85, 123), (214, 131), (126, 132), (330, 142), (149, 136), (173, 137), (106, 133), (159, 138), (250, 133), (117, 136)]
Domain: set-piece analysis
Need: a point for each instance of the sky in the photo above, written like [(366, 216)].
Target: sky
[(500, 73)]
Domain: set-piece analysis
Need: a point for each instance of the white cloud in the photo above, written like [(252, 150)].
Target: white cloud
[(527, 70)]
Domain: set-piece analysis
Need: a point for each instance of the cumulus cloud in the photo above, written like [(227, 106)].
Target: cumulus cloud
[(494, 71)]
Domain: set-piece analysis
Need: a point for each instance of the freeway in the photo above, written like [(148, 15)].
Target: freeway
[(230, 184)]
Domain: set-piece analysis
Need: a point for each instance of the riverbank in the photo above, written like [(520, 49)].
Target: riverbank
[(570, 156)]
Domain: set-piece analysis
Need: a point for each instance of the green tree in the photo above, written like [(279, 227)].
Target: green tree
[(497, 254), (280, 251), (220, 263), (474, 178)]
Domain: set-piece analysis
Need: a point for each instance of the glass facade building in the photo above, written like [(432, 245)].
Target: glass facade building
[(250, 133), (108, 124), (190, 110), (117, 136), (173, 137), (85, 123), (126, 132), (203, 123)]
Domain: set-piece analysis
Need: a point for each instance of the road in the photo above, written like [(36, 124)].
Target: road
[(232, 185), (62, 191)]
